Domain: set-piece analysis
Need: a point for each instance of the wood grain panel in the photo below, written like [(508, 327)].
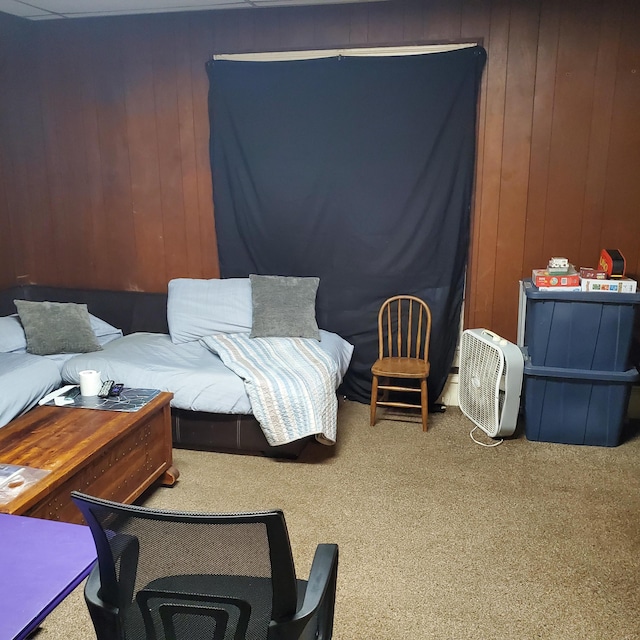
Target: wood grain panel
[(329, 29), (413, 22), (187, 137), (385, 24), (570, 129), (12, 33), (358, 24), (475, 24), (542, 118), (104, 167), (112, 226), (600, 134), (165, 86), (7, 274), (89, 137), (144, 158), (621, 213), (7, 260), (65, 165), (480, 288), (297, 33), (21, 148), (227, 31), (200, 51), (246, 36), (518, 109), (268, 30), (442, 20)]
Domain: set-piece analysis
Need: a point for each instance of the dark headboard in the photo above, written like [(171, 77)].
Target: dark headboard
[(130, 311)]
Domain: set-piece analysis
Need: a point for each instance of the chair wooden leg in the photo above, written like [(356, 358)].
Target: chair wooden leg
[(425, 403), (374, 398)]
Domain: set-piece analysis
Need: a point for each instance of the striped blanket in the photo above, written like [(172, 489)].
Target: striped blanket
[(291, 383)]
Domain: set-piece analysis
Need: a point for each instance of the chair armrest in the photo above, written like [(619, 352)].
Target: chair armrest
[(319, 599), (105, 618)]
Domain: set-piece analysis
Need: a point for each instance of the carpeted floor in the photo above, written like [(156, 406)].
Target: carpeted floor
[(439, 537)]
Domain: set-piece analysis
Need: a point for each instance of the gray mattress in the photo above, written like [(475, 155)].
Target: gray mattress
[(197, 378)]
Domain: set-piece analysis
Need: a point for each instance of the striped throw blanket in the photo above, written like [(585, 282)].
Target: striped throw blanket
[(291, 383)]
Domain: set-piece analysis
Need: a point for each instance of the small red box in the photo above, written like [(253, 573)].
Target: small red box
[(541, 278), (593, 274)]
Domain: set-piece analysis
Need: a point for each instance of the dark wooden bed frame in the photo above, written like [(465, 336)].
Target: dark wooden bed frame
[(134, 311)]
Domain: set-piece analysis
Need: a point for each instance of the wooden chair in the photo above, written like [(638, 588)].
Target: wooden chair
[(404, 332)]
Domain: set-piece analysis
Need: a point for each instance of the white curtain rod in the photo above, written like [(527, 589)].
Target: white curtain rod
[(279, 56)]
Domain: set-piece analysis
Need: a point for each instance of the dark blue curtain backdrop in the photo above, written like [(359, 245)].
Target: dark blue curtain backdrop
[(355, 170)]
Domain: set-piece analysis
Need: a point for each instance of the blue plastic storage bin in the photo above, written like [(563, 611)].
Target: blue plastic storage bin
[(579, 329), (571, 406)]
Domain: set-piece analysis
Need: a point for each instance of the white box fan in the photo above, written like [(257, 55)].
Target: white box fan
[(490, 381)]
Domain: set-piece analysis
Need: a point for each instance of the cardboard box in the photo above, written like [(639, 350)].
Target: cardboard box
[(594, 274), (615, 285), (559, 266), (627, 285), (542, 278)]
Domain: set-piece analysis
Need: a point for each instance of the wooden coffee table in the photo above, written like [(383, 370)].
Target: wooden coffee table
[(109, 454)]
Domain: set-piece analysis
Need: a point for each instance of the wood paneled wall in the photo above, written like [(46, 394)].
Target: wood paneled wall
[(104, 168)]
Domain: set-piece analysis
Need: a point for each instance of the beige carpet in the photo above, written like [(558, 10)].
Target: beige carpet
[(439, 537)]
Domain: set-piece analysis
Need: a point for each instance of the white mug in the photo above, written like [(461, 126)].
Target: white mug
[(90, 382)]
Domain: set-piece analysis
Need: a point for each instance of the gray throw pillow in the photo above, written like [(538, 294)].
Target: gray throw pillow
[(56, 327), (284, 307)]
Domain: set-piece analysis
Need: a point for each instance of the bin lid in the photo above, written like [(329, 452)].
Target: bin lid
[(626, 377), (601, 297)]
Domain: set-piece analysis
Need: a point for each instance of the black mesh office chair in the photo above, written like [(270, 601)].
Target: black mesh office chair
[(165, 575)]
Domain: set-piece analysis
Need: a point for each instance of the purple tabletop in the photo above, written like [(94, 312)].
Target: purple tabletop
[(41, 562)]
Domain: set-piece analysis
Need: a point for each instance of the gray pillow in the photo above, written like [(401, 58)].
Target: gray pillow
[(56, 327), (284, 307)]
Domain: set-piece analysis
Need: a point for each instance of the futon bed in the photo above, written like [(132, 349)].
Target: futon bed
[(229, 339), (218, 402), (197, 377)]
